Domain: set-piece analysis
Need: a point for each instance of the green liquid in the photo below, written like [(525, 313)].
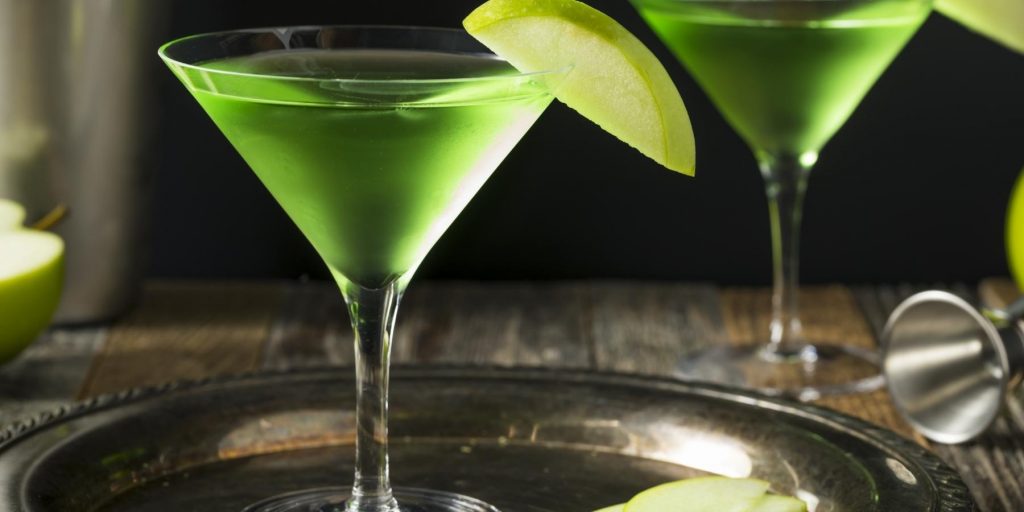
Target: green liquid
[(373, 173), (786, 74)]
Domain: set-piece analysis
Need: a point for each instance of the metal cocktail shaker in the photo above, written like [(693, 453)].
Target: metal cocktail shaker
[(73, 87)]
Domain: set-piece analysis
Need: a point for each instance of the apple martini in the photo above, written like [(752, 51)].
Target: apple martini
[(373, 139), (786, 74)]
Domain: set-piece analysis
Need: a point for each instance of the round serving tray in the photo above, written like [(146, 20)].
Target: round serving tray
[(524, 440)]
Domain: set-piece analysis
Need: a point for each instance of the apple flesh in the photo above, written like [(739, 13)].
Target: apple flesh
[(772, 503), (710, 494), (31, 278), (1001, 20), (12, 215), (615, 81)]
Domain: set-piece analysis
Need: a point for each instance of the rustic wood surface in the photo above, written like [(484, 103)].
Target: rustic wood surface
[(190, 330)]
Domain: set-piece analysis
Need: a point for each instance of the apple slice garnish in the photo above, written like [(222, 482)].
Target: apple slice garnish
[(710, 494)]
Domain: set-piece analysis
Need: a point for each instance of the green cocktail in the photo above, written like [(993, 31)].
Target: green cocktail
[(373, 176), (373, 139), (786, 74)]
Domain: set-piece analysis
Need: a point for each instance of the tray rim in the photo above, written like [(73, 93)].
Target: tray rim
[(953, 492)]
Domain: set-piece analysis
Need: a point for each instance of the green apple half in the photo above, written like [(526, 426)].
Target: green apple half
[(31, 278)]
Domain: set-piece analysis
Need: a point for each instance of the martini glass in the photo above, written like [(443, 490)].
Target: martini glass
[(372, 139), (786, 74)]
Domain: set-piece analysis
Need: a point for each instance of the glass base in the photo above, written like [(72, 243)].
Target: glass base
[(804, 372), (332, 499)]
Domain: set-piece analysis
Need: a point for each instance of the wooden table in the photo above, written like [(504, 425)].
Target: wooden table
[(198, 329)]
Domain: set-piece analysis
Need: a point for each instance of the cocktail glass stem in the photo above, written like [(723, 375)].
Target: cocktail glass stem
[(788, 363), (785, 178), (373, 313)]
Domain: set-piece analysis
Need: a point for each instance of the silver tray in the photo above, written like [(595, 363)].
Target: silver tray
[(523, 440)]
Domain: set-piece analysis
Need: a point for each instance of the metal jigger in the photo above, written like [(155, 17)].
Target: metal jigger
[(948, 366)]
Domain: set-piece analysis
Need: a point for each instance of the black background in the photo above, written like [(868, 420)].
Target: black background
[(913, 188)]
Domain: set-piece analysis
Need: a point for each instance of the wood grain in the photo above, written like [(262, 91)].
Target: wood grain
[(649, 328), (311, 328), (522, 324), (185, 331), (997, 292)]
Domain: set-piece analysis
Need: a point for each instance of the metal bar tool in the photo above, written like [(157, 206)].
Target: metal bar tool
[(950, 367)]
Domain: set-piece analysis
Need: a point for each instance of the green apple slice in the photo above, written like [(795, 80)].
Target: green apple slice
[(31, 276), (1002, 20), (615, 81), (773, 503), (12, 215), (709, 494)]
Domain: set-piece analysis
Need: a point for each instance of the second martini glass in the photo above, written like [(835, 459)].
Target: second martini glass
[(786, 74), (372, 139)]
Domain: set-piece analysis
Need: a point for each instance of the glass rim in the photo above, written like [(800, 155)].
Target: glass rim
[(516, 75)]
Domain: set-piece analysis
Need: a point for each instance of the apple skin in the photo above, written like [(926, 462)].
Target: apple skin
[(28, 301), (1015, 232), (607, 64)]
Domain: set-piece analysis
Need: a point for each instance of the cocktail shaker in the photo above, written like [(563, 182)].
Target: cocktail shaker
[(949, 367), (74, 85)]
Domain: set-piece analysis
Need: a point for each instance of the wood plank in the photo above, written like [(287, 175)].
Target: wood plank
[(526, 324), (49, 372), (828, 313), (184, 330), (520, 323), (311, 329), (998, 292), (991, 465), (650, 327)]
